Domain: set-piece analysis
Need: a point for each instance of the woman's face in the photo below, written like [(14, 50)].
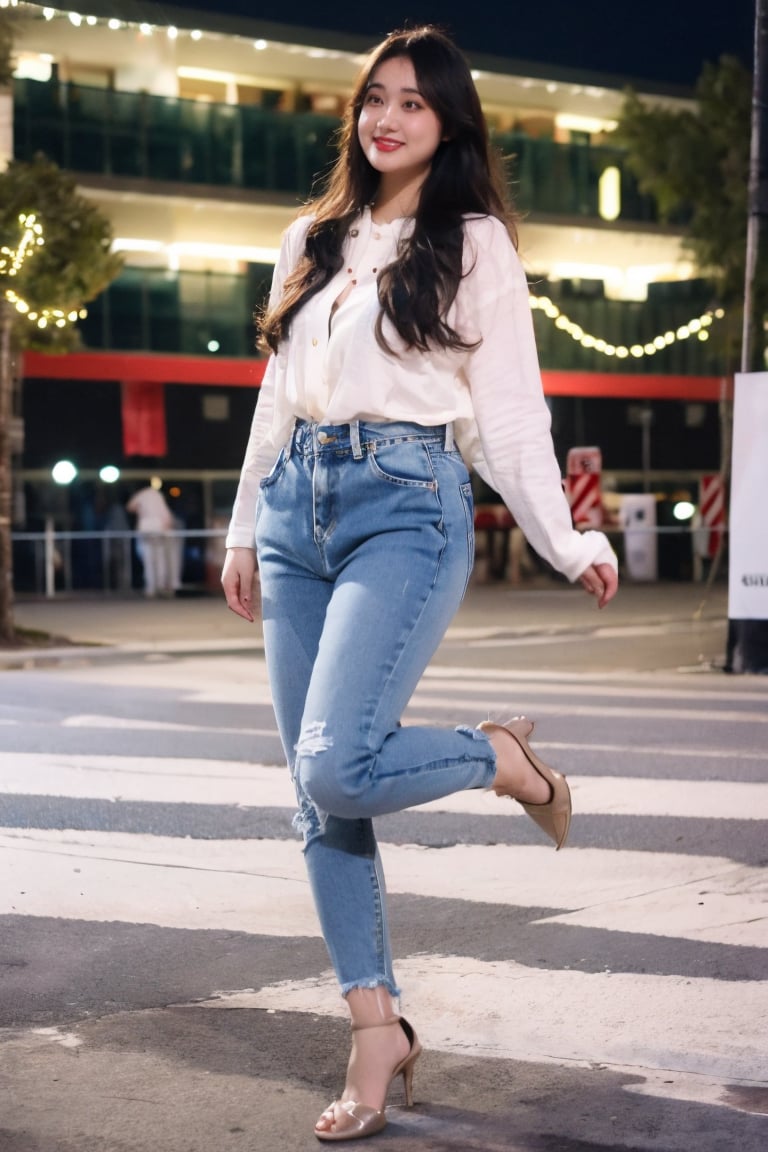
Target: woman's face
[(398, 131)]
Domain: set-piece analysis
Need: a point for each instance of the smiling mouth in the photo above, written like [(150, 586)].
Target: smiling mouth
[(385, 144)]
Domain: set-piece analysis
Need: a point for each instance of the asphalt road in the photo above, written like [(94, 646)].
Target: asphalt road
[(163, 985)]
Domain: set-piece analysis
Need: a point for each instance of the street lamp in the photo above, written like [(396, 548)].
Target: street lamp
[(63, 472)]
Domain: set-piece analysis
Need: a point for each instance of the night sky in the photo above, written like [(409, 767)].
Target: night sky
[(659, 40)]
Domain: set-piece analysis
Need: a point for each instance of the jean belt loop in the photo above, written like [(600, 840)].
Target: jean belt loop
[(291, 441), (354, 439), (449, 441)]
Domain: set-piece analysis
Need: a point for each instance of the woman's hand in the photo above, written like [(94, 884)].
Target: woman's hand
[(600, 580), (238, 577)]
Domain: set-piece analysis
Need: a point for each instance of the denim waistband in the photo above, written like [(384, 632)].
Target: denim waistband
[(309, 437)]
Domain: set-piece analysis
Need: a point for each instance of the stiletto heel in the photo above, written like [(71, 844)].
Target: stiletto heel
[(554, 817), (406, 1066), (358, 1120)]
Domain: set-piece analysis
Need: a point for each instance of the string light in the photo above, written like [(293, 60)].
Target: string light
[(12, 259), (145, 28), (699, 326), (11, 262)]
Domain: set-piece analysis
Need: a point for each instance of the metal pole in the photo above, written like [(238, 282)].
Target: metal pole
[(50, 558)]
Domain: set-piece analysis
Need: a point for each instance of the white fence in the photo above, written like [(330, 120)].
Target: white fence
[(55, 562), (52, 562)]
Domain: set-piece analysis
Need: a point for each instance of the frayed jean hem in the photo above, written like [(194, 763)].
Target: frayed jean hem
[(377, 982)]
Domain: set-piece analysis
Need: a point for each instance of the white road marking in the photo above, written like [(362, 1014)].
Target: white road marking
[(638, 686), (137, 724), (252, 885), (158, 779), (237, 680), (509, 1011), (168, 780), (530, 707)]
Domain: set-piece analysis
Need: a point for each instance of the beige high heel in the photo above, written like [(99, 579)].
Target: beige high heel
[(353, 1120), (554, 817)]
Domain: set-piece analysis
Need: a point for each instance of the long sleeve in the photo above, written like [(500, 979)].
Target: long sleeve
[(518, 458), (261, 450), (259, 458)]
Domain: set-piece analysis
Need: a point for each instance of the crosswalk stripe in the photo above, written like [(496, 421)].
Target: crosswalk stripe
[(244, 783), (242, 681), (510, 1011), (128, 723), (523, 705), (659, 894), (642, 686)]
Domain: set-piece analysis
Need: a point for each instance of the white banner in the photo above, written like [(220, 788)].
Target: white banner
[(638, 519), (748, 528)]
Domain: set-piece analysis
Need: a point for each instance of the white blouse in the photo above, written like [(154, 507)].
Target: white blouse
[(332, 370)]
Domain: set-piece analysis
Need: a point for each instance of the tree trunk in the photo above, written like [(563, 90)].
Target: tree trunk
[(7, 628)]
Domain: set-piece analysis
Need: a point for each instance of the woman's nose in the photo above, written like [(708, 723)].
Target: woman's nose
[(387, 118)]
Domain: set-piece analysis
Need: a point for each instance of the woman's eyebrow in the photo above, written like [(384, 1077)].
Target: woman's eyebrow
[(378, 84)]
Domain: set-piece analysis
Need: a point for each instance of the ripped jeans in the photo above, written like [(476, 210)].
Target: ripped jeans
[(365, 540)]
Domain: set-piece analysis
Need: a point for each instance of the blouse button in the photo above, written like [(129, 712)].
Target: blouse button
[(314, 342), (354, 231), (377, 235)]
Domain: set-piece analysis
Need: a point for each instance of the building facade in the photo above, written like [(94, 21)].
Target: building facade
[(201, 135)]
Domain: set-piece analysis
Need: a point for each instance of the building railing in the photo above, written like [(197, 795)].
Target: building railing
[(52, 563), (210, 313), (164, 138)]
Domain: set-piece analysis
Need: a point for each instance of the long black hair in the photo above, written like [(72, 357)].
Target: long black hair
[(466, 177)]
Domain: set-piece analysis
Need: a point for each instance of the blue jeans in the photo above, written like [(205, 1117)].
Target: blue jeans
[(365, 540)]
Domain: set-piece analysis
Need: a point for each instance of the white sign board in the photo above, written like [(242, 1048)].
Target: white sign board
[(748, 528), (638, 519)]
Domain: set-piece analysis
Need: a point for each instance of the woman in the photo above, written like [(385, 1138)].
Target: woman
[(401, 351)]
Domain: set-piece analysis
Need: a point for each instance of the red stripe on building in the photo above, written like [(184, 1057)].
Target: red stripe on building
[(248, 373), (625, 386), (240, 373)]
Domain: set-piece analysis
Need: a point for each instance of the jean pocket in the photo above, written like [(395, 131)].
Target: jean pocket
[(405, 462), (276, 471)]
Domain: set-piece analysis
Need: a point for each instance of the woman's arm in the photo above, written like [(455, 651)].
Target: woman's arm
[(512, 414)]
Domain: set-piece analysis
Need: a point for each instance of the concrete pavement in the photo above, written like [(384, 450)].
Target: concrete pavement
[(102, 626)]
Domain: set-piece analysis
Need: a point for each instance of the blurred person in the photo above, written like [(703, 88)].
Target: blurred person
[(154, 520), (401, 355), (117, 548)]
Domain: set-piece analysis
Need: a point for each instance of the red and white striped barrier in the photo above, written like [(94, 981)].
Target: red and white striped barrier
[(712, 509), (582, 486)]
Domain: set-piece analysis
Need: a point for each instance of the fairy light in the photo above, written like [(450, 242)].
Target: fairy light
[(12, 261), (698, 326)]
